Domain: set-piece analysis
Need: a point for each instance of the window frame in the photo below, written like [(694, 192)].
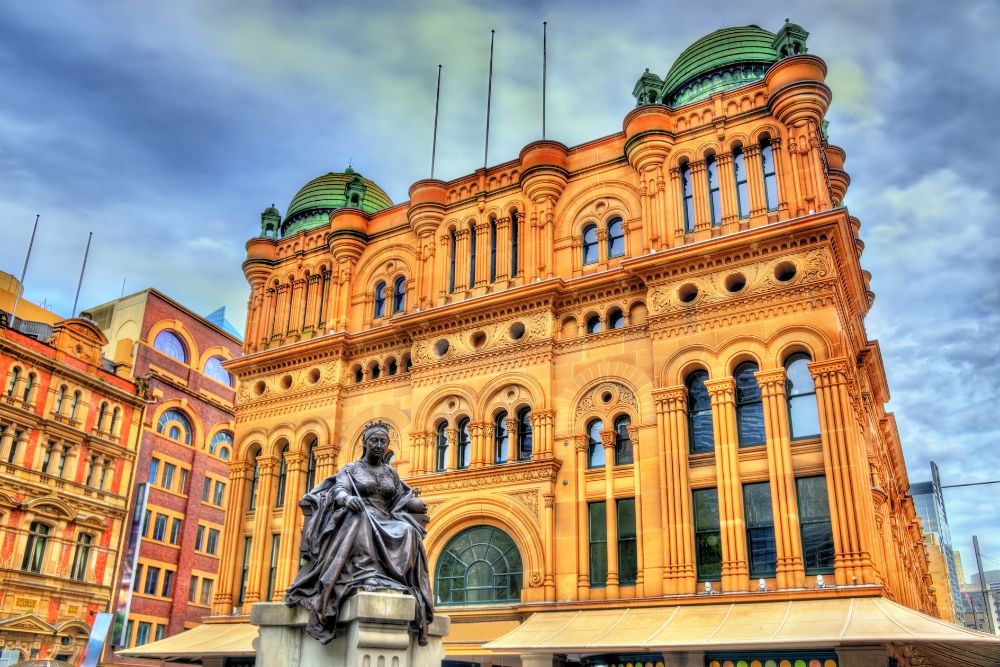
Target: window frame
[(748, 406), (762, 550), (703, 531), (589, 246), (595, 446), (620, 236), (800, 398)]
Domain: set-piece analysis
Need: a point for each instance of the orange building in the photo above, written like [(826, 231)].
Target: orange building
[(69, 430), (630, 378)]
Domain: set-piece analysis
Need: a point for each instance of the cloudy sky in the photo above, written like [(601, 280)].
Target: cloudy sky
[(165, 129)]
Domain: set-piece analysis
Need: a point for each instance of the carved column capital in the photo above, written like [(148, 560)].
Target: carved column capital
[(831, 372), (772, 382), (671, 399), (608, 439), (722, 390)]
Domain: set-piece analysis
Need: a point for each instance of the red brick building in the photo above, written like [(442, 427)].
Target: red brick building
[(69, 431), (186, 444)]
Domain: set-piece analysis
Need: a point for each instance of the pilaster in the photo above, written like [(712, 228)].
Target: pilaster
[(678, 540)]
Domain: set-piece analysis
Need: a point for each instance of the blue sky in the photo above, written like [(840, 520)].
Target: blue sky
[(166, 128)]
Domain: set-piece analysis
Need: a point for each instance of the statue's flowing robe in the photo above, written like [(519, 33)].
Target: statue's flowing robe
[(380, 547)]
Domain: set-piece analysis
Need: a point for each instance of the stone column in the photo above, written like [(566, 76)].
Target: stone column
[(451, 434), (640, 577), (232, 537), (727, 193), (735, 573), (702, 209), (503, 252), (542, 434), (550, 547), (6, 441), (649, 218), (326, 461), (462, 260), (288, 561), (259, 560), (611, 589), (677, 206), (531, 243), (790, 572), (848, 486), (482, 267), (478, 432), (780, 169), (582, 522), (755, 184), (678, 539)]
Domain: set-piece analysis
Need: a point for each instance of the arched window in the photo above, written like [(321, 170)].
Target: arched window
[(623, 441), (60, 399), (116, 415), (524, 434), (311, 466), (803, 415), (75, 405), (407, 363), (616, 238), (590, 248), (34, 551), (221, 445), (687, 196), (464, 444), (595, 448), (391, 367), (81, 556), (513, 244), (742, 189), (399, 295), (452, 244), (279, 498), (176, 425), (616, 318), (254, 483), (472, 256), (359, 375), (15, 375), (102, 414), (770, 178), (501, 438), (214, 370), (714, 200), (749, 408), (480, 564), (493, 249), (699, 408), (29, 385), (171, 345), (379, 299), (375, 372), (594, 324), (442, 447)]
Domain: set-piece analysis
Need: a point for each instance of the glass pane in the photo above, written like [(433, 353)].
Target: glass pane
[(170, 344), (590, 254), (813, 501), (749, 410), (616, 239), (757, 504), (763, 555), (706, 509), (803, 415), (817, 546), (623, 443), (524, 434), (798, 379), (709, 555)]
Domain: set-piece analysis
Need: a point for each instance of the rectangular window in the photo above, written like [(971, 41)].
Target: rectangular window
[(48, 457), (128, 632), (160, 629), (627, 556), (742, 190), (212, 545), (760, 529), (273, 568), (814, 518), (175, 530), (206, 489), (199, 538), (707, 538), (220, 492), (137, 577), (168, 475), (154, 468), (168, 579), (160, 527), (598, 524), (770, 179), (142, 634), (206, 591), (193, 588), (182, 486), (247, 543), (152, 579), (145, 522)]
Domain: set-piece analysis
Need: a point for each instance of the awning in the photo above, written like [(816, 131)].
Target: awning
[(231, 640), (786, 624), (466, 638)]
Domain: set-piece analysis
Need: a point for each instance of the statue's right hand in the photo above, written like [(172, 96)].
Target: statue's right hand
[(354, 503)]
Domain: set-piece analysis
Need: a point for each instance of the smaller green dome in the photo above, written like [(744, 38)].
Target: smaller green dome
[(312, 205)]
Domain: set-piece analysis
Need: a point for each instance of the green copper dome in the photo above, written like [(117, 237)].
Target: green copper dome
[(312, 205)]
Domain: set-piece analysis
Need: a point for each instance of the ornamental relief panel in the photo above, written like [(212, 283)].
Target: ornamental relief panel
[(790, 270), (604, 396), (315, 376), (484, 338)]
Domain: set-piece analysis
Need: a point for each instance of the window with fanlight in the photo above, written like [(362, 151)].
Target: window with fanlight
[(480, 565)]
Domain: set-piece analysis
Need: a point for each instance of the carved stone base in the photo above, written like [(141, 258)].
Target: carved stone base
[(373, 629)]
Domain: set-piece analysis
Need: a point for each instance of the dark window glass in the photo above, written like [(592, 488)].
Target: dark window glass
[(152, 580), (742, 189), (524, 434), (272, 569), (501, 438), (707, 539), (175, 531), (221, 445), (715, 202), (168, 578), (391, 367), (616, 238), (379, 300), (214, 370), (700, 433), (279, 497), (180, 425), (171, 345), (452, 242), (220, 491), (687, 196), (628, 560), (199, 538), (442, 447), (595, 449), (464, 444), (513, 244), (623, 442), (311, 467), (168, 475), (254, 482), (154, 468), (480, 564), (245, 571), (814, 518), (803, 414), (749, 408), (594, 324), (760, 529), (81, 556), (493, 249), (616, 319), (212, 544), (590, 250), (160, 527), (34, 552), (375, 372), (142, 633), (598, 531), (770, 178), (472, 257), (399, 295)]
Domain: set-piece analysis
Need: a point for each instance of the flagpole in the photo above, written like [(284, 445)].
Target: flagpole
[(24, 271), (437, 105), (489, 97), (544, 64), (83, 268)]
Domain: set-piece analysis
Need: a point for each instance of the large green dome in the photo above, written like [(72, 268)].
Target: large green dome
[(311, 206), (721, 60)]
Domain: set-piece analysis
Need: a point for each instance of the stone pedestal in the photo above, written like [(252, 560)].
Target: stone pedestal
[(373, 629)]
